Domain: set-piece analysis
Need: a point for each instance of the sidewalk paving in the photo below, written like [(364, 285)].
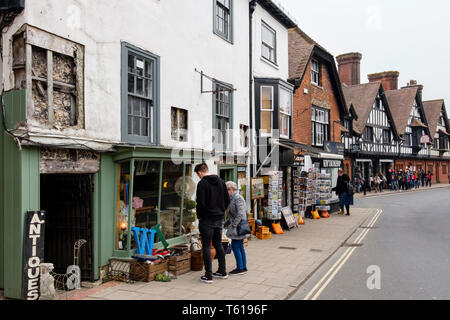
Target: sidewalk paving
[(389, 192), (276, 267)]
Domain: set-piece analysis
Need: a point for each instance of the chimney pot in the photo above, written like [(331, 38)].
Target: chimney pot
[(389, 79), (349, 65)]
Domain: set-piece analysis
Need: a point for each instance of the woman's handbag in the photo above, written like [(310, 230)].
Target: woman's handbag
[(243, 228)]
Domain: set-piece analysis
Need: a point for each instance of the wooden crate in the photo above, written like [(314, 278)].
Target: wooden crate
[(263, 233), (180, 264), (264, 236), (252, 224), (146, 272)]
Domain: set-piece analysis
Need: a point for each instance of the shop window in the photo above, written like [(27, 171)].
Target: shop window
[(140, 96), (269, 43), (223, 19), (155, 194), (179, 124), (266, 110)]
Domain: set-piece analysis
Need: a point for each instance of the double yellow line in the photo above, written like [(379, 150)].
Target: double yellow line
[(326, 279)]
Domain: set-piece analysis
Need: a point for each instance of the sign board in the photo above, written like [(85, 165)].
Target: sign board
[(33, 254), (334, 147), (289, 217), (257, 188), (425, 139), (355, 148), (331, 163)]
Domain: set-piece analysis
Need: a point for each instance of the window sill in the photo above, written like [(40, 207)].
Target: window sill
[(230, 41), (316, 85), (274, 65)]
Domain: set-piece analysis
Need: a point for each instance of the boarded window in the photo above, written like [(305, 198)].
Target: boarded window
[(179, 124), (51, 69)]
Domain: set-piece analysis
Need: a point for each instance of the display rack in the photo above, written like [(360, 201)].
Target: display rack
[(322, 193), (275, 194)]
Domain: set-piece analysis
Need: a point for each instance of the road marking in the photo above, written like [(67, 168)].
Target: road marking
[(341, 261)]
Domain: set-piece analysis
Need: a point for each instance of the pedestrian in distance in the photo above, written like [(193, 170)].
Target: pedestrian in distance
[(344, 189), (429, 175), (237, 212), (212, 202)]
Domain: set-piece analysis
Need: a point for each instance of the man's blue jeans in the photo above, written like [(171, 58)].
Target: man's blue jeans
[(239, 254)]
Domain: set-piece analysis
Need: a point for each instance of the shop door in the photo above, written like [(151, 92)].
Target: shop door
[(67, 200)]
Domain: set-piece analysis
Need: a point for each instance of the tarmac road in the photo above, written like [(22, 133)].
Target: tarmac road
[(404, 256)]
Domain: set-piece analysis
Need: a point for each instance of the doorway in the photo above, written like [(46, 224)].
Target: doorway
[(67, 200), (228, 174)]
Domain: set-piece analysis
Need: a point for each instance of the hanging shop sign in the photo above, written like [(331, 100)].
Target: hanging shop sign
[(334, 147), (355, 148), (425, 139), (33, 254)]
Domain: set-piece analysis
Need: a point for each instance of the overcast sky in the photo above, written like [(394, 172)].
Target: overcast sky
[(409, 36)]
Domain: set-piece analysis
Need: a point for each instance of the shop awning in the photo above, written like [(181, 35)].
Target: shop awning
[(291, 144), (418, 123)]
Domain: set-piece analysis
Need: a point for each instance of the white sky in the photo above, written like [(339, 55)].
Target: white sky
[(412, 37)]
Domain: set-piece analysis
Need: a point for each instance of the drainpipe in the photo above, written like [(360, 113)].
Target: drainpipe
[(252, 6)]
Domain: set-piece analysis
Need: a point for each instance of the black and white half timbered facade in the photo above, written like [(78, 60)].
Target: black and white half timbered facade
[(373, 142)]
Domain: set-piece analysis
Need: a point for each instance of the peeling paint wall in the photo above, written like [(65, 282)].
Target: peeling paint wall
[(148, 24)]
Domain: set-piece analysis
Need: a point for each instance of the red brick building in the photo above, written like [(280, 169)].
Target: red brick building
[(319, 108)]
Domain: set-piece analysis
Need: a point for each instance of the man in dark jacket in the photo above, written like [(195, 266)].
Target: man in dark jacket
[(342, 190), (212, 202)]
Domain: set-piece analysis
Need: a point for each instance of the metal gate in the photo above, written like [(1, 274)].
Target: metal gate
[(67, 200)]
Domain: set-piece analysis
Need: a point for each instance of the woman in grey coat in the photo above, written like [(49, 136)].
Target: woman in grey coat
[(237, 212)]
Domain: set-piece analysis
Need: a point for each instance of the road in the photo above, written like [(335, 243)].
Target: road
[(405, 255)]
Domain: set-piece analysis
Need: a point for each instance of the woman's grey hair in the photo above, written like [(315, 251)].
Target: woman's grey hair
[(232, 185)]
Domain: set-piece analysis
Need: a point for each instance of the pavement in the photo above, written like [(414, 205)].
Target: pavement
[(389, 192), (277, 267)]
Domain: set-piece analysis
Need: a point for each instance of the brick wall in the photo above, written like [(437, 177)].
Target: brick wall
[(438, 168), (302, 105)]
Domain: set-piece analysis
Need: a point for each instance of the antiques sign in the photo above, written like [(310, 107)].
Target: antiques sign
[(33, 253)]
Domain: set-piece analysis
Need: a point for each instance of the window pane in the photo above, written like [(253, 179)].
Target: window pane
[(136, 126), (140, 86), (266, 100), (145, 195), (131, 83), (285, 101), (130, 63), (123, 185), (266, 122), (136, 107)]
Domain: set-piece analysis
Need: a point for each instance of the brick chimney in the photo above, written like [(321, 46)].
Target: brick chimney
[(349, 68), (389, 79), (413, 83)]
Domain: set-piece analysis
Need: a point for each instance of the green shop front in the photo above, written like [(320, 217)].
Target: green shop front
[(152, 188)]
